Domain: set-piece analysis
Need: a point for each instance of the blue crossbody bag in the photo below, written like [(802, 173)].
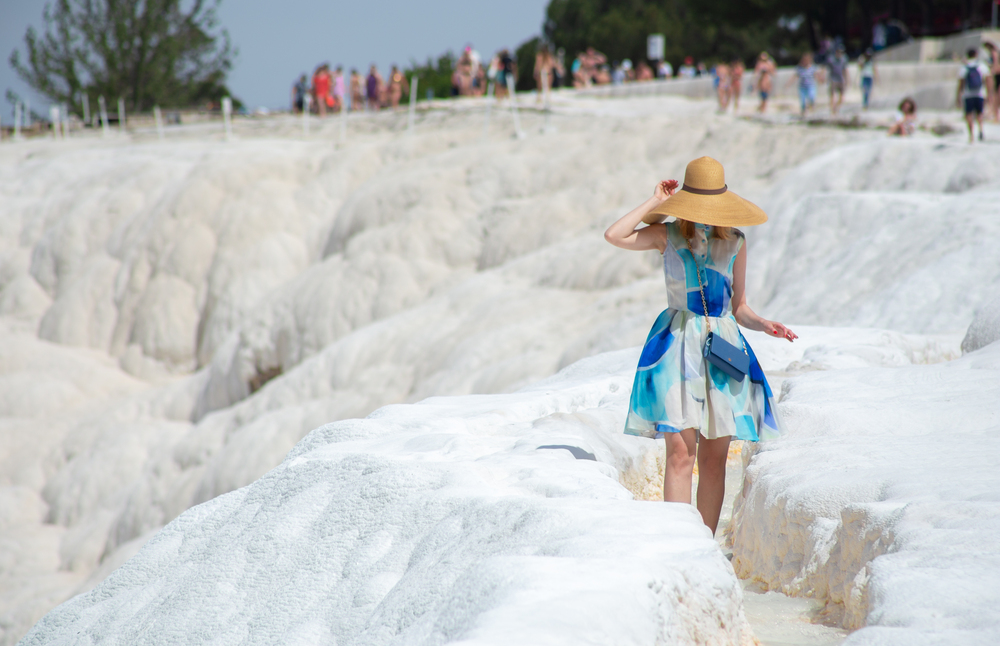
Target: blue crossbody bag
[(722, 354)]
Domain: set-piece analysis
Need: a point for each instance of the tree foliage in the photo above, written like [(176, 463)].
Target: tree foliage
[(727, 29), (150, 52), (434, 75)]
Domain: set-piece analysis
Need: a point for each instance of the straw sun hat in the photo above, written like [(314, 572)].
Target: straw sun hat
[(705, 198)]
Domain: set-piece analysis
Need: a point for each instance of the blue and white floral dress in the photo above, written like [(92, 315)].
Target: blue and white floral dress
[(675, 387)]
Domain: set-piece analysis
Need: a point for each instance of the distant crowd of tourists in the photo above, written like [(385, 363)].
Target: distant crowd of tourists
[(979, 81), (327, 91)]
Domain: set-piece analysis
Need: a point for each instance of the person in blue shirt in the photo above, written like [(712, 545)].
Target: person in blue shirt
[(808, 77)]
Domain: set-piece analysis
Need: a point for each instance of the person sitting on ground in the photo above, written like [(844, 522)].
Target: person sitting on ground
[(595, 63), (617, 74), (628, 69), (906, 120), (687, 70), (643, 72), (972, 85), (837, 64), (576, 69), (764, 72)]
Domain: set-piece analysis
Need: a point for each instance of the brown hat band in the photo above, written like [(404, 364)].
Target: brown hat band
[(706, 191)]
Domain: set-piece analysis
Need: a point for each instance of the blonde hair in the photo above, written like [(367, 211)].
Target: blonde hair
[(687, 230)]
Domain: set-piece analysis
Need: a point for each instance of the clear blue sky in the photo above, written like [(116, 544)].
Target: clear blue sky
[(280, 40)]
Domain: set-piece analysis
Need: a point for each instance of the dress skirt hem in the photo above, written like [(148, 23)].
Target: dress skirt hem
[(676, 388)]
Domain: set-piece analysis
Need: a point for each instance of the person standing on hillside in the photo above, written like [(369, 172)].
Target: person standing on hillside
[(837, 63), (357, 91), (321, 89), (299, 91), (764, 72), (398, 86), (972, 83), (698, 384), (545, 64), (736, 71), (994, 65), (373, 88), (868, 74), (808, 76), (339, 90), (720, 79)]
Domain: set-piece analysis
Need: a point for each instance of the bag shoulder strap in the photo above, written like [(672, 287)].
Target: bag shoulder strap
[(701, 288)]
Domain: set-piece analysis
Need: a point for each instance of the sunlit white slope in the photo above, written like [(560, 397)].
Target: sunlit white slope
[(888, 233), (882, 501), (491, 519)]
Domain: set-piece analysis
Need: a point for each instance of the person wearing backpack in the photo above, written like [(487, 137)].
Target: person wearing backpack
[(972, 86)]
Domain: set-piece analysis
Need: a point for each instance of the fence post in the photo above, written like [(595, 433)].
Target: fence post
[(54, 120), (26, 115), (158, 117), (489, 107), (86, 109), (102, 106), (513, 106), (413, 101), (306, 100), (227, 113), (65, 121), (343, 117), (121, 115), (546, 103), (17, 120)]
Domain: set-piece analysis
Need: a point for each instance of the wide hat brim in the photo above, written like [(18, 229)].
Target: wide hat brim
[(723, 210)]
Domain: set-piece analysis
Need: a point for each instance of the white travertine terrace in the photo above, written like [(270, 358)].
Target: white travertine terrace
[(177, 316)]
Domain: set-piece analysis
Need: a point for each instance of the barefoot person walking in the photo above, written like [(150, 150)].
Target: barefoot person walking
[(973, 81), (764, 73), (698, 383)]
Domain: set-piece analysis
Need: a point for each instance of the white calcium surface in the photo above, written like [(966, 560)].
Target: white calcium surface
[(147, 289), (882, 500)]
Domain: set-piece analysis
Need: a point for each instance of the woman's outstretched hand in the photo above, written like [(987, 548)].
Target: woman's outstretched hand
[(773, 328), (665, 189)]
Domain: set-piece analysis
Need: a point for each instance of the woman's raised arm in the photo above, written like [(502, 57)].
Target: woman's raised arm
[(624, 234)]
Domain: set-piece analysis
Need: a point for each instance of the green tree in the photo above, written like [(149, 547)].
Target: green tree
[(150, 52), (726, 29), (434, 75), (525, 57)]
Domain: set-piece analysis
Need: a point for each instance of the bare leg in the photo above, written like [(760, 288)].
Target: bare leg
[(968, 122), (680, 465), (712, 456)]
